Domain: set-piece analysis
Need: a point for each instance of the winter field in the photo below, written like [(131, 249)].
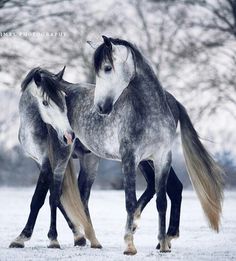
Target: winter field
[(196, 242)]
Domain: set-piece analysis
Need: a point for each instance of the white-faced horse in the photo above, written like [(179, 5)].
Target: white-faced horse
[(46, 136)]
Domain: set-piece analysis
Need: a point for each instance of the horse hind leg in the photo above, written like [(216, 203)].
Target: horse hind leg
[(162, 166), (174, 192), (147, 169)]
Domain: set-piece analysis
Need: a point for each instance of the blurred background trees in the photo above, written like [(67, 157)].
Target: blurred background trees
[(191, 45)]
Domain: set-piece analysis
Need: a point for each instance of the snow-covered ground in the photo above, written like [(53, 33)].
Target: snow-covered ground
[(196, 242)]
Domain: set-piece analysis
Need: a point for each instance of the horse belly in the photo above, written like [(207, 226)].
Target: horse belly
[(155, 140)]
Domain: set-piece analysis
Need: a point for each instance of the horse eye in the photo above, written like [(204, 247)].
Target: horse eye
[(45, 103), (107, 68)]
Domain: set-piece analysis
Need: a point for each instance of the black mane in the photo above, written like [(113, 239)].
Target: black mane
[(49, 84), (104, 53), (29, 77)]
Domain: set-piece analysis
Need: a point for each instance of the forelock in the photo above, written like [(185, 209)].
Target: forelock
[(51, 91), (104, 53), (49, 85)]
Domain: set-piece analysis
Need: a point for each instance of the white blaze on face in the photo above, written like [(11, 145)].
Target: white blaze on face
[(110, 82), (51, 113)]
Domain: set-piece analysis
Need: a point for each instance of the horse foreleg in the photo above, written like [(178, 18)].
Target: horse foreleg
[(59, 157), (129, 171), (54, 203), (36, 203)]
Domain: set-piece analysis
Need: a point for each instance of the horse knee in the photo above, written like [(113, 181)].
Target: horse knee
[(161, 203), (130, 207)]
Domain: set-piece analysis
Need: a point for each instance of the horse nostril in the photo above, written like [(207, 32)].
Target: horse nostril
[(69, 137), (65, 139), (100, 108), (106, 107), (73, 136)]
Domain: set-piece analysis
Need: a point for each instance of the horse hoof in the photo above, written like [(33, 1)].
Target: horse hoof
[(130, 252), (80, 242), (171, 237), (99, 246), (167, 250), (164, 246), (16, 245), (54, 244), (159, 246)]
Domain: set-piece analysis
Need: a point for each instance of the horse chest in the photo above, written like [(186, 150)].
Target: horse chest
[(103, 140), (111, 144)]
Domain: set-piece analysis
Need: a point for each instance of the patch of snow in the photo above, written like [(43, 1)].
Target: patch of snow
[(196, 242)]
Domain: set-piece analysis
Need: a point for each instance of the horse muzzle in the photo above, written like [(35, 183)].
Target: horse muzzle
[(105, 108), (68, 137)]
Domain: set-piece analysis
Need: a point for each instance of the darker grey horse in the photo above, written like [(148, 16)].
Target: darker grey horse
[(135, 117)]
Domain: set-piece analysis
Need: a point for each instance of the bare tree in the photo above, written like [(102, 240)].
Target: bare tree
[(206, 43)]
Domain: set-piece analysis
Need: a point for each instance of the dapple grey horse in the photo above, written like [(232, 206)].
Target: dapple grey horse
[(136, 119)]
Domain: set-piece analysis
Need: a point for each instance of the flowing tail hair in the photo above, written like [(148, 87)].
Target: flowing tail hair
[(206, 176), (71, 202)]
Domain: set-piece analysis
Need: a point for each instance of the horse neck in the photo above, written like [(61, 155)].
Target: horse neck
[(78, 99), (147, 82)]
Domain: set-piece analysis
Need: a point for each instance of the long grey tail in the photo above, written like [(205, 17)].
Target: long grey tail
[(73, 205), (206, 176)]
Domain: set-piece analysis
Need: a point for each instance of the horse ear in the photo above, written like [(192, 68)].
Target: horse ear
[(37, 78), (59, 75), (93, 44), (107, 41)]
